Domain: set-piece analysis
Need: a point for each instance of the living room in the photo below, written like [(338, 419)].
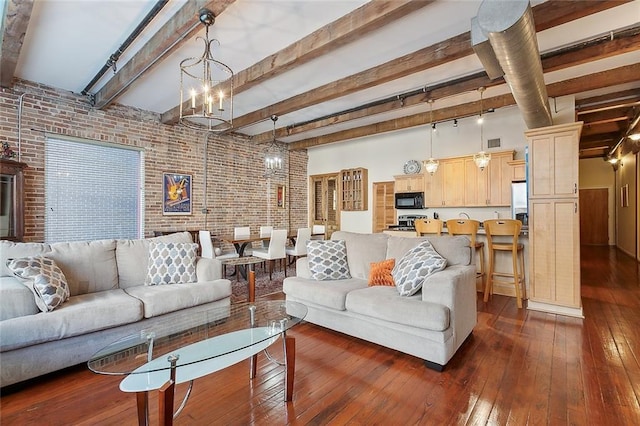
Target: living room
[(231, 174)]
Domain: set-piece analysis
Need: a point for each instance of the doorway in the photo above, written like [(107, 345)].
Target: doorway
[(594, 217)]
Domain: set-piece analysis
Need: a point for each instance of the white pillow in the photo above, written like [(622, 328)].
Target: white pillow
[(171, 263), (44, 278), (415, 266), (328, 260)]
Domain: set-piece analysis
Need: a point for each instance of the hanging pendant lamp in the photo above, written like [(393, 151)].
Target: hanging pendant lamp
[(431, 165), (481, 158)]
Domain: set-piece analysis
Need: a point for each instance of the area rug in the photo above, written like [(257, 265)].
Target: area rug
[(264, 286)]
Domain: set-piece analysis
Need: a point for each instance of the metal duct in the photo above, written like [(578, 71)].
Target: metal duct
[(482, 47), (509, 27)]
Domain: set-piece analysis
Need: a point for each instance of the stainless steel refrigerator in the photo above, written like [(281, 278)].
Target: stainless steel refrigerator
[(519, 202)]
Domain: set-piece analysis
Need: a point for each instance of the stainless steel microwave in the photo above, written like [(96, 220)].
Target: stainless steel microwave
[(409, 200)]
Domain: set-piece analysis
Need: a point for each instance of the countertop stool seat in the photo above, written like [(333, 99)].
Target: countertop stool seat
[(505, 228), (469, 227), (428, 226)]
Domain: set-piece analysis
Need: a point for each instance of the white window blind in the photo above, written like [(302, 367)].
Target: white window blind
[(92, 191)]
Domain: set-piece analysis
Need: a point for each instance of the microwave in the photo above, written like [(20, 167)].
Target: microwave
[(409, 200)]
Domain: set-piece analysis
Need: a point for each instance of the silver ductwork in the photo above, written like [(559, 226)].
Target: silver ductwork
[(503, 35)]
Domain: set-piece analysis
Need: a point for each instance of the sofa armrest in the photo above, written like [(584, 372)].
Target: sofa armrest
[(455, 287), (302, 267), (208, 269)]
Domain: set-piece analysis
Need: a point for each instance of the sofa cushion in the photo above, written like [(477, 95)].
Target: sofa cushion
[(331, 294), (79, 315), (380, 273), (89, 266), (133, 257), (171, 263), (386, 304), (328, 260), (455, 249), (160, 299), (44, 278), (16, 300), (11, 250), (416, 265), (362, 249)]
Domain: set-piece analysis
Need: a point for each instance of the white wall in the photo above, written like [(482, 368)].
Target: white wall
[(597, 173), (627, 217), (384, 154)]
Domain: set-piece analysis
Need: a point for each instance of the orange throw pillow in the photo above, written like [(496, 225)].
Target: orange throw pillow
[(380, 273)]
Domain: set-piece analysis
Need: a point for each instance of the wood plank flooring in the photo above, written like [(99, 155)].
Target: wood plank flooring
[(519, 367)]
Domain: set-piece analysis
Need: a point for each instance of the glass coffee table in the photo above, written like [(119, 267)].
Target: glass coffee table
[(184, 349)]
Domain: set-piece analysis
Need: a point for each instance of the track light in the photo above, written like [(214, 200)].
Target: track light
[(455, 122)]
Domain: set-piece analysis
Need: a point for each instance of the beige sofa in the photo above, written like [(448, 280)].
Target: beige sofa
[(431, 324), (108, 300)]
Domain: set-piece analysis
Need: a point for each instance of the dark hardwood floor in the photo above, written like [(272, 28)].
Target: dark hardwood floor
[(519, 367)]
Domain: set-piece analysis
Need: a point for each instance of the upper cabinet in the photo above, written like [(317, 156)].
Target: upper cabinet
[(353, 189), (518, 170), (12, 200), (410, 183)]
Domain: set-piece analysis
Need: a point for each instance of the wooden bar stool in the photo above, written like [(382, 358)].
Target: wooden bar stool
[(470, 227), (428, 226), (505, 227)]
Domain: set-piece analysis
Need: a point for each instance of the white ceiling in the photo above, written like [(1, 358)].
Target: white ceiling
[(68, 41)]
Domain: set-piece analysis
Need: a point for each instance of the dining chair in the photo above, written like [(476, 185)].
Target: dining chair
[(276, 250), (240, 232), (428, 226), (318, 232), (300, 248), (208, 251), (469, 227), (265, 231)]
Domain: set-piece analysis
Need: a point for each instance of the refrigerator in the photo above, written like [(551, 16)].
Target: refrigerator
[(519, 202)]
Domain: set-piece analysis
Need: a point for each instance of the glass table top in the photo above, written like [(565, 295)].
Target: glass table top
[(199, 337)]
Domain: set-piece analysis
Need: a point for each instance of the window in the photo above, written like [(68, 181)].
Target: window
[(93, 191)]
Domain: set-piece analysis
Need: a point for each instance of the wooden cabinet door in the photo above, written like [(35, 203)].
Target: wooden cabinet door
[(324, 206), (384, 211), (499, 177), (409, 183), (475, 183), (554, 247), (453, 182), (433, 189), (553, 164)]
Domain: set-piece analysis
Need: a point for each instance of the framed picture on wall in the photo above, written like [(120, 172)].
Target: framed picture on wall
[(176, 194), (280, 196), (624, 196)]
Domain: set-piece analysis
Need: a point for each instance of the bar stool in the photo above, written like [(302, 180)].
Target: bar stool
[(470, 227), (505, 227), (428, 226)]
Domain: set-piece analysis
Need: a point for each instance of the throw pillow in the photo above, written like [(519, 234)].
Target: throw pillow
[(171, 263), (380, 273), (328, 260), (415, 266), (44, 278)]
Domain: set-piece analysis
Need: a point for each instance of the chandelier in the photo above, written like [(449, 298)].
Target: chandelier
[(273, 157), (206, 87), (431, 165), (481, 158)]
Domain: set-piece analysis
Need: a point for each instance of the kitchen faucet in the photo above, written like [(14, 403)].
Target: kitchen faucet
[(464, 214)]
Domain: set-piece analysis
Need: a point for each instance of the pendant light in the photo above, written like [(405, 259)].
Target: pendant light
[(431, 165), (273, 156), (481, 158)]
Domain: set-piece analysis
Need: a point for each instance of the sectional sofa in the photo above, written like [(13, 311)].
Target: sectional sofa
[(108, 300), (430, 324)]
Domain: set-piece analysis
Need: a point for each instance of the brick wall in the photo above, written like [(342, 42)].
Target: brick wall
[(237, 192)]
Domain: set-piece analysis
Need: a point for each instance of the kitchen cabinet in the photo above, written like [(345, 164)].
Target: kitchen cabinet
[(409, 183), (476, 183), (433, 189), (452, 182), (518, 170), (12, 202), (324, 206), (354, 189), (499, 185), (554, 232)]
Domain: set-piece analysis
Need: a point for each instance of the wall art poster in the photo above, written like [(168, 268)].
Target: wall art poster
[(280, 196), (176, 193)]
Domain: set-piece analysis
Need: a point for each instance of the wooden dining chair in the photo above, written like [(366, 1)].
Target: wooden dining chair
[(428, 226), (276, 250), (509, 230), (469, 227)]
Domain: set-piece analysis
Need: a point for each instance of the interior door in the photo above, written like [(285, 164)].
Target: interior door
[(594, 216), (324, 207), (384, 211)]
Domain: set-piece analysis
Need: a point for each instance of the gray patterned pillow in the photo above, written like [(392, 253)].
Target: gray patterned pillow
[(171, 263), (44, 278), (415, 266), (328, 260)]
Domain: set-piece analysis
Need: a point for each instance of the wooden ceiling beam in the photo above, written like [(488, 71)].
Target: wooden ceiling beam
[(609, 106), (177, 31), (594, 81), (596, 102), (605, 116), (340, 32), (16, 21), (555, 13)]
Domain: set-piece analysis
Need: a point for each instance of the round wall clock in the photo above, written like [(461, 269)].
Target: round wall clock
[(411, 167)]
